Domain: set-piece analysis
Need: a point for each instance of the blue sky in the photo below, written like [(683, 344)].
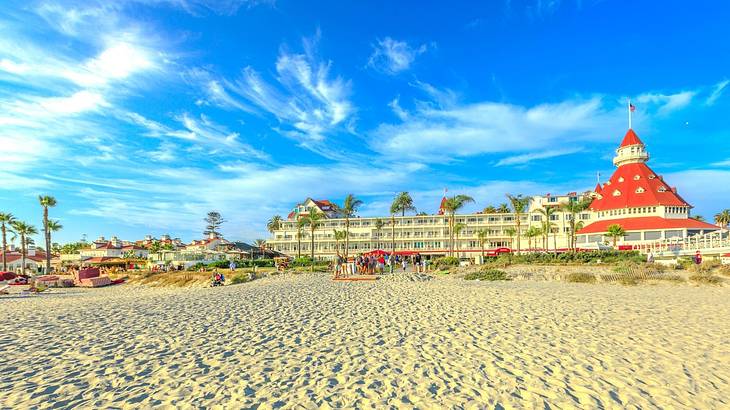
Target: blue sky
[(142, 115)]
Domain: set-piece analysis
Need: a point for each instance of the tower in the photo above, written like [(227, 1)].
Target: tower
[(631, 150)]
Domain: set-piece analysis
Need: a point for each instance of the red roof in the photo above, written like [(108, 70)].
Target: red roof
[(630, 139), (598, 189), (646, 223), (101, 259), (635, 185), (134, 247), (14, 256), (442, 210)]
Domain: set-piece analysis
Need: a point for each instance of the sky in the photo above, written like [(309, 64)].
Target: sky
[(140, 116)]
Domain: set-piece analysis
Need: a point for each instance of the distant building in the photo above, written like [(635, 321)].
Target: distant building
[(34, 261)]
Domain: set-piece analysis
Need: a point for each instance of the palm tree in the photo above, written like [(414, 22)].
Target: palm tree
[(379, 223), (722, 219), (348, 209), (6, 220), (547, 228), (531, 233), (53, 226), (574, 208), (547, 214), (261, 244), (457, 231), (698, 218), (300, 226), (511, 232), (24, 230), (274, 224), (339, 236), (47, 202), (313, 219), (451, 205), (489, 209), (615, 231), (519, 206), (482, 235), (404, 203), (503, 209)]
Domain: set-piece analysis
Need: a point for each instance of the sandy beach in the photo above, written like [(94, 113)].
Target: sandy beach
[(306, 342)]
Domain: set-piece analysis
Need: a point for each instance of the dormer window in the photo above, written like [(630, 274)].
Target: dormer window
[(662, 189), (620, 179), (616, 193), (637, 177), (640, 190), (608, 182), (652, 176)]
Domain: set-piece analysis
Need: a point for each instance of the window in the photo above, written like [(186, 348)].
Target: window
[(637, 177), (662, 189), (651, 176), (620, 179), (554, 217), (536, 218), (640, 190), (616, 193)]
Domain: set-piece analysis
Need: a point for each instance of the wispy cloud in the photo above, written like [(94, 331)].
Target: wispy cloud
[(667, 103), (306, 100), (717, 91), (437, 134), (525, 158), (393, 56)]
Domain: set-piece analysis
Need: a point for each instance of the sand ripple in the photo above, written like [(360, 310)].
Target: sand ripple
[(305, 342)]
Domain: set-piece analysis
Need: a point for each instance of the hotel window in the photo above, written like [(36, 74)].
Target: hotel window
[(640, 190), (536, 218), (616, 192), (637, 177), (620, 179), (554, 217), (651, 176), (662, 189)]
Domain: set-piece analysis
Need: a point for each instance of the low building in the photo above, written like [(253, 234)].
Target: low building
[(35, 261)]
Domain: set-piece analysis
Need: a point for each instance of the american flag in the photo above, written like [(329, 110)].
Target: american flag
[(632, 107)]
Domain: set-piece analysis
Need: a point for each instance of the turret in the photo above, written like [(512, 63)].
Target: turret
[(631, 150)]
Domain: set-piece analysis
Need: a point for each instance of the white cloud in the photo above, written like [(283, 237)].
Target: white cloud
[(667, 103), (725, 163), (442, 134), (393, 56), (77, 103), (525, 158), (717, 91), (307, 101)]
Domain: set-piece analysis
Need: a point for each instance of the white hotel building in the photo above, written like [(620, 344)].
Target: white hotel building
[(634, 197)]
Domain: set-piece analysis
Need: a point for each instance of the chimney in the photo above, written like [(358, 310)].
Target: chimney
[(212, 235), (148, 237)]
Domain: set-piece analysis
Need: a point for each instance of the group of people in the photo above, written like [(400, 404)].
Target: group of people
[(218, 279), (377, 263)]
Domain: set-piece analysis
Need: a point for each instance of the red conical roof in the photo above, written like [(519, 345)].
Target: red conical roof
[(630, 139), (598, 189), (442, 210)]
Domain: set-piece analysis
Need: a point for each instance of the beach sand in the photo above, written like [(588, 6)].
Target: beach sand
[(305, 342)]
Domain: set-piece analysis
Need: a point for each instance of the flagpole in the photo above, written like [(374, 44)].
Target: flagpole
[(629, 107)]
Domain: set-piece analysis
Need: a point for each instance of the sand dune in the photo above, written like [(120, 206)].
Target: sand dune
[(305, 342)]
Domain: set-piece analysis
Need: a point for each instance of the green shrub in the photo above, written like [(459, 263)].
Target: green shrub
[(488, 275), (446, 262), (196, 267), (224, 264), (580, 277), (240, 278)]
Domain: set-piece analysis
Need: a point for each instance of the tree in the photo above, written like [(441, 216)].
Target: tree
[(457, 231), (511, 232), (6, 221), (503, 209), (214, 220), (489, 209), (574, 208), (519, 206), (300, 225), (531, 233), (348, 209), (379, 224), (53, 226), (404, 203), (261, 244), (547, 213), (72, 248), (722, 218), (339, 236), (451, 205), (698, 218), (24, 230), (615, 231), (482, 235), (46, 202), (274, 224), (313, 219)]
